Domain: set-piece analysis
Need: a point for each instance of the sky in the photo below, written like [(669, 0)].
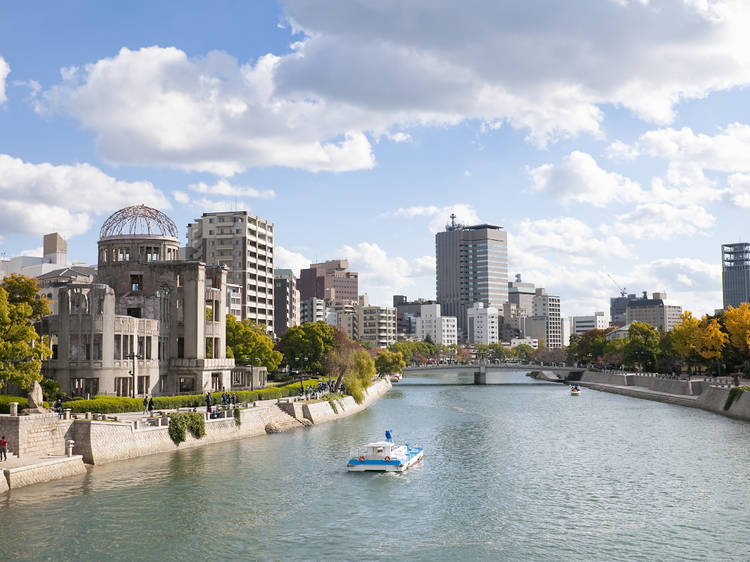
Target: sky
[(609, 138)]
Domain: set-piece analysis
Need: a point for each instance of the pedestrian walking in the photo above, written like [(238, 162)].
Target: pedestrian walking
[(151, 406), (208, 402), (145, 405), (3, 449), (59, 408)]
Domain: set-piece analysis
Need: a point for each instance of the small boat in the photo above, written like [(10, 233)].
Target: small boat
[(384, 456), (396, 377), (575, 390)]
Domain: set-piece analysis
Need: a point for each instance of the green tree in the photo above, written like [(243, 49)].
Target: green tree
[(358, 374), (24, 289), (387, 362), (571, 352), (250, 345), (642, 346), (523, 352), (306, 347), (591, 345), (21, 348)]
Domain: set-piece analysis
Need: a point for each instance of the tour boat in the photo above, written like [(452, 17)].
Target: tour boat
[(384, 456), (396, 377), (575, 391)]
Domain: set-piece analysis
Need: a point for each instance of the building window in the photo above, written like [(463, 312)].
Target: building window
[(136, 283)]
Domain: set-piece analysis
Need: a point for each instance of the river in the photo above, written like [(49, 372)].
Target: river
[(516, 471)]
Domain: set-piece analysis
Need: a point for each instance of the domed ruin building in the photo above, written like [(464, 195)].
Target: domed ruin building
[(152, 323)]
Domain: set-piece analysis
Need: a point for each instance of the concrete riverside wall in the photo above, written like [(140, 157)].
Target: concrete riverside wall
[(44, 471), (36, 434), (102, 442), (658, 384), (671, 391)]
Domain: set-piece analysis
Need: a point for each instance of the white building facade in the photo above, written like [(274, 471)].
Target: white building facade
[(442, 330), (582, 324), (482, 324)]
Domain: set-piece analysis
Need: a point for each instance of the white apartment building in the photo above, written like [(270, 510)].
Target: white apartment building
[(244, 244), (234, 300), (483, 324), (545, 321), (582, 324), (313, 310), (376, 324), (443, 330)]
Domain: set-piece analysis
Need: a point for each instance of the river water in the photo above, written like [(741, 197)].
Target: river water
[(518, 470)]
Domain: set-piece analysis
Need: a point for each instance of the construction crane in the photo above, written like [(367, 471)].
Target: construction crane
[(623, 290)]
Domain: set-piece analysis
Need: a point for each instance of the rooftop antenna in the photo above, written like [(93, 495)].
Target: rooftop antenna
[(453, 220)]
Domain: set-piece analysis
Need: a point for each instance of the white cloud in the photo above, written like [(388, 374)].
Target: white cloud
[(38, 198), (4, 71), (441, 216), (370, 68), (34, 252), (579, 178), (226, 189), (664, 221), (287, 259), (381, 272), (567, 239)]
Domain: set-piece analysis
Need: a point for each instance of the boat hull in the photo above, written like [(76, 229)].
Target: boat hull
[(381, 465)]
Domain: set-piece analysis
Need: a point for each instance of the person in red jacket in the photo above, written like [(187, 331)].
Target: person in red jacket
[(3, 449)]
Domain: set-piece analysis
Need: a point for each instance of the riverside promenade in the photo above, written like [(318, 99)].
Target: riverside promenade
[(43, 447), (705, 393)]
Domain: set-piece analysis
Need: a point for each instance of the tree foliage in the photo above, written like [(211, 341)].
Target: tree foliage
[(22, 289), (306, 347), (387, 362), (250, 345), (21, 348), (642, 345)]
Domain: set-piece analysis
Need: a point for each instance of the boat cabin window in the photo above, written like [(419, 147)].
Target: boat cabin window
[(380, 450)]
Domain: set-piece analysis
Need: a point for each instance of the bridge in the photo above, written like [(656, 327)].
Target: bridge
[(480, 370)]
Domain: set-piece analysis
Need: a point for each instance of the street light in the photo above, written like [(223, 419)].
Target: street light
[(133, 356)]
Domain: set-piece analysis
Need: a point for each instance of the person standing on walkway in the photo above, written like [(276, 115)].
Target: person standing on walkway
[(145, 405), (208, 402), (150, 405), (3, 449)]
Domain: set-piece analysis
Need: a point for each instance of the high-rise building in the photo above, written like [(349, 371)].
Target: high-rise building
[(582, 324), (472, 266), (735, 273), (483, 324), (312, 310), (286, 302), (521, 295), (375, 324), (545, 321), (244, 244), (657, 311), (329, 280), (618, 307)]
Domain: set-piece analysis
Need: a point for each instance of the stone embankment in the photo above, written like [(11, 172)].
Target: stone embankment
[(42, 438), (706, 394)]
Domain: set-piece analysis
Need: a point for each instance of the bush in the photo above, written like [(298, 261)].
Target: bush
[(181, 422), (6, 399), (734, 394), (121, 404)]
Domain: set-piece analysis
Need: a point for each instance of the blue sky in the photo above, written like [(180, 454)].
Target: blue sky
[(607, 137)]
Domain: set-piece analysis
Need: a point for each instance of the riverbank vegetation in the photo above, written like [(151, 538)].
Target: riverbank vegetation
[(715, 344)]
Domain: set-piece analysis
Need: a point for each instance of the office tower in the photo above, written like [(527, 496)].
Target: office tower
[(735, 273), (472, 266), (329, 280), (657, 311), (286, 301), (244, 244), (618, 307)]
